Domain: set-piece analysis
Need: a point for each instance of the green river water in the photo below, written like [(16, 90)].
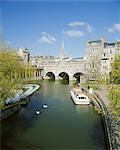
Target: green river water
[(63, 125)]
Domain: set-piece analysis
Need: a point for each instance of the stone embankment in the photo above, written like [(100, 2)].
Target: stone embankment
[(14, 104), (112, 125), (100, 100)]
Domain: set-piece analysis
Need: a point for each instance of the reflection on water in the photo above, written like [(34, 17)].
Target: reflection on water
[(64, 81), (78, 108), (63, 125)]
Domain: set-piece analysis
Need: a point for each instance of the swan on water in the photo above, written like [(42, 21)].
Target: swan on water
[(37, 112), (45, 106)]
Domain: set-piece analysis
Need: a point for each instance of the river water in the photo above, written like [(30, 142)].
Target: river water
[(63, 125)]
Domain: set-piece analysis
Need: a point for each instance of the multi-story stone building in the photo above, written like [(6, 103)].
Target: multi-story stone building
[(117, 47), (41, 60), (99, 56), (93, 58), (108, 56)]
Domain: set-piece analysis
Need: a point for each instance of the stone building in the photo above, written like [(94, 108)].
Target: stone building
[(99, 56), (117, 47), (108, 56), (41, 60), (29, 71), (94, 51)]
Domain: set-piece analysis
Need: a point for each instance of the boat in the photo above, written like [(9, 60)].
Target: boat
[(79, 97), (45, 106)]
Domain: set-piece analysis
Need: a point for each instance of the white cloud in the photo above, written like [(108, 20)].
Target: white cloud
[(78, 29), (83, 24), (76, 23), (115, 28), (89, 28), (46, 38), (73, 33)]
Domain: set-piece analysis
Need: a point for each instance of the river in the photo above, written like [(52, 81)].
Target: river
[(62, 125)]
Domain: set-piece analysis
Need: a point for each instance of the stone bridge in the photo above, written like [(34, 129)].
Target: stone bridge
[(71, 70)]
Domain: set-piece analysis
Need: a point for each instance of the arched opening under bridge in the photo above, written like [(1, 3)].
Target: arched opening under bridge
[(64, 76), (77, 76), (50, 75)]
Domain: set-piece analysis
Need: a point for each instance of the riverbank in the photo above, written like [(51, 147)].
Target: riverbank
[(102, 104), (112, 124), (14, 104)]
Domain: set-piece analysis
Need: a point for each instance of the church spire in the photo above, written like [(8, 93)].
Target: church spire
[(62, 50)]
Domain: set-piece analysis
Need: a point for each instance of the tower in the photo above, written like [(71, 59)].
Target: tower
[(62, 50), (24, 54)]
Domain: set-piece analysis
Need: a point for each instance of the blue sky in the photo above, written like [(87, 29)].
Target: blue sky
[(41, 25)]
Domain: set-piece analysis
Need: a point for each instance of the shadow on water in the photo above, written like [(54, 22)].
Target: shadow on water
[(64, 81), (23, 120), (19, 123), (98, 129), (97, 125)]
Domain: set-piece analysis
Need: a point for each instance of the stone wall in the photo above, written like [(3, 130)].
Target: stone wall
[(69, 67)]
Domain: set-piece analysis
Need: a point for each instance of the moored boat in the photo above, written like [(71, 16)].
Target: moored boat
[(79, 97)]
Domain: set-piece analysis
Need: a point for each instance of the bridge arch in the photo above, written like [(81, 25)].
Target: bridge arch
[(50, 75), (63, 75), (77, 76)]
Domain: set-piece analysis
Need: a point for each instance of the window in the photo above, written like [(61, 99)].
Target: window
[(82, 97), (104, 67)]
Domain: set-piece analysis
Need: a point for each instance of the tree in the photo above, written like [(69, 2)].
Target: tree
[(115, 72), (114, 87), (10, 71)]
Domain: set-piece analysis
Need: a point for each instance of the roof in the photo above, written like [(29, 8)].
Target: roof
[(113, 44), (94, 41)]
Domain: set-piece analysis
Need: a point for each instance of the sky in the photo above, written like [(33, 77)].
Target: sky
[(42, 25)]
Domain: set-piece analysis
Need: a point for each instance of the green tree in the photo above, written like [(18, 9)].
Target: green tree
[(10, 71), (114, 87), (115, 72)]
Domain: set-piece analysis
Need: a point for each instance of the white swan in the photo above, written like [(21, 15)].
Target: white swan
[(37, 112), (45, 106)]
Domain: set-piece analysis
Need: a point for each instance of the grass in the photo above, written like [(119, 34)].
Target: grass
[(94, 86), (114, 96)]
